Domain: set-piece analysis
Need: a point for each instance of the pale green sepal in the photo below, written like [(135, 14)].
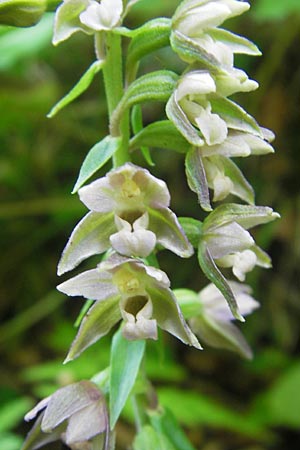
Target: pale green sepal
[(78, 89), (221, 334), (99, 154), (235, 116), (196, 177), (182, 123), (125, 360), (188, 301), (164, 223), (241, 187), (21, 13), (238, 44), (99, 320), (157, 86), (161, 134), (137, 126), (212, 272), (263, 259), (67, 20), (169, 316), (247, 216), (89, 237), (152, 36), (189, 51), (192, 228)]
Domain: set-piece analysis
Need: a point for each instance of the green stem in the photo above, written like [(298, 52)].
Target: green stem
[(113, 82)]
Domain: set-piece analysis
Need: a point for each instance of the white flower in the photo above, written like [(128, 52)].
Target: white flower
[(228, 241), (126, 289), (213, 322), (89, 16)]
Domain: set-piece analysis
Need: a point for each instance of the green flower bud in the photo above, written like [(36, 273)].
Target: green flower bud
[(21, 13)]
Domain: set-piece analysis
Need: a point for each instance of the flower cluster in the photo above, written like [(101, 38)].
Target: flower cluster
[(199, 107)]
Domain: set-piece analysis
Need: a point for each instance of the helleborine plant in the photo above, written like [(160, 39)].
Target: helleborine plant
[(130, 221)]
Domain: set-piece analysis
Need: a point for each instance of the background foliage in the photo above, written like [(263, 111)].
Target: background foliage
[(223, 402)]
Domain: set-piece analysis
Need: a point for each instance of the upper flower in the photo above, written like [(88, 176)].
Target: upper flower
[(89, 16), (228, 241), (129, 212), (196, 103), (196, 21), (126, 289), (75, 414), (212, 321)]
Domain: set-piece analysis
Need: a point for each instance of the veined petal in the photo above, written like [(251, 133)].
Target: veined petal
[(216, 49), (213, 128), (36, 438), (236, 144), (195, 83), (228, 239), (67, 401), (214, 303), (92, 284), (87, 423), (208, 15), (99, 320), (169, 317), (164, 223), (89, 237), (220, 334), (98, 196)]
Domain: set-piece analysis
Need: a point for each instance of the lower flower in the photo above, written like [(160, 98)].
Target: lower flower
[(125, 288)]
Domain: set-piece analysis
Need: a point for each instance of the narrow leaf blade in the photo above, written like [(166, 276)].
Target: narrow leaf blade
[(126, 357), (196, 177), (96, 158), (78, 89)]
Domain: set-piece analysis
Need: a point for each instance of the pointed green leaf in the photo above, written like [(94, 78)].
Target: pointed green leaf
[(99, 320), (190, 51), (126, 357), (152, 36), (182, 123), (238, 44), (78, 89), (137, 125), (96, 158), (215, 276), (196, 177), (154, 86), (235, 116), (161, 134)]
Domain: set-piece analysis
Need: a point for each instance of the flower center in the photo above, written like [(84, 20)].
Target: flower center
[(135, 304), (130, 189)]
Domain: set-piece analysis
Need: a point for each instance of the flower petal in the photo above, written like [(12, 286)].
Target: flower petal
[(67, 20), (99, 320), (92, 284), (213, 128), (165, 225), (67, 401), (89, 237), (228, 239), (87, 423), (169, 317)]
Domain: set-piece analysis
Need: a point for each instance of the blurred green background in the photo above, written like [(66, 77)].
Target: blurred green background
[(223, 402)]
